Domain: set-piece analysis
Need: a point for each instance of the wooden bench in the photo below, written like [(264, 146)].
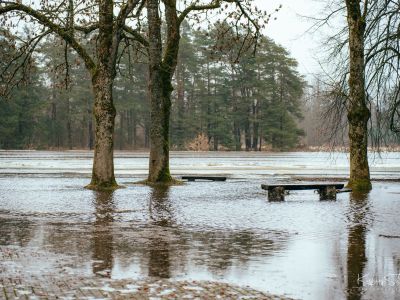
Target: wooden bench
[(212, 178), (327, 191)]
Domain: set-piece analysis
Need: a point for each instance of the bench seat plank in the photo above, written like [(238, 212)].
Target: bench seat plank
[(299, 187), (327, 191)]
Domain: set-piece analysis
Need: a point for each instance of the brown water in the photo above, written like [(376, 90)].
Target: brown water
[(224, 231)]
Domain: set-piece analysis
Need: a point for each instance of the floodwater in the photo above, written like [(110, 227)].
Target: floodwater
[(223, 231)]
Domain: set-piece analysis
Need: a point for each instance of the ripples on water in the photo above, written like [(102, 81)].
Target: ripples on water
[(220, 230), (235, 164)]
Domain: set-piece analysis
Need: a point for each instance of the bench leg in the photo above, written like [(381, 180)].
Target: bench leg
[(327, 193), (276, 194)]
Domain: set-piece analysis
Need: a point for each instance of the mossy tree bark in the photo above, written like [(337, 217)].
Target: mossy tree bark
[(162, 65), (358, 112), (104, 111), (161, 69), (103, 75), (102, 70)]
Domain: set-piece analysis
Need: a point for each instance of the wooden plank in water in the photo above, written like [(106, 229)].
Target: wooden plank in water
[(212, 178)]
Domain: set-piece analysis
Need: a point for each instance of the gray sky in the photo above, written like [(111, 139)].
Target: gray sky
[(290, 30)]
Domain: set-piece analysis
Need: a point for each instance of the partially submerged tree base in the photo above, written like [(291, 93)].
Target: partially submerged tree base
[(104, 186), (171, 182), (360, 185)]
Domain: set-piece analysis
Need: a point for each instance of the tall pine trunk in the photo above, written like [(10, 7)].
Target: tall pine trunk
[(134, 136), (69, 127), (255, 126), (236, 132), (180, 130), (130, 127), (247, 135), (121, 130), (54, 134), (358, 112)]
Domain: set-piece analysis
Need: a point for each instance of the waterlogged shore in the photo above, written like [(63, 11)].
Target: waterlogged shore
[(206, 232)]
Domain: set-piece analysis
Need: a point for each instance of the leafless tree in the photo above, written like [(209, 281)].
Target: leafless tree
[(240, 15), (76, 22)]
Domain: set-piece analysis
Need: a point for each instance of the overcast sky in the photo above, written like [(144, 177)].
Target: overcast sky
[(290, 30)]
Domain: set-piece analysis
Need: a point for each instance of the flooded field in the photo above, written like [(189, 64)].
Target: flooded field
[(217, 231)]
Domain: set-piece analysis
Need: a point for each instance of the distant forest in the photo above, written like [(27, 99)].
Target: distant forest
[(220, 102)]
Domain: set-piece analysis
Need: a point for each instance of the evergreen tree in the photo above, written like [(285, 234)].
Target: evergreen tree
[(245, 104)]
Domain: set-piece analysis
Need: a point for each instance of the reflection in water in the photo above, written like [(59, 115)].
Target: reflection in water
[(117, 243), (221, 250), (160, 213), (204, 230), (16, 232), (171, 247), (103, 235), (160, 209), (356, 254)]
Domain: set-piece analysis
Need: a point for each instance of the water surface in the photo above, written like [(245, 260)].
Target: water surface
[(223, 231)]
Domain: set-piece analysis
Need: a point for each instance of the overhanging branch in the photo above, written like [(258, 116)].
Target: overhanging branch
[(64, 33)]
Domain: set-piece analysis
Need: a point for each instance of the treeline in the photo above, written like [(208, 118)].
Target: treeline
[(219, 101)]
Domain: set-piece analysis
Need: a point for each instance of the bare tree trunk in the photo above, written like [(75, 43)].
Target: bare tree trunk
[(146, 134), (255, 127), (130, 127), (216, 143), (69, 128), (54, 134), (247, 135), (209, 125), (160, 105), (90, 125), (104, 112), (121, 130), (161, 70), (247, 129), (236, 122), (134, 129), (358, 112), (102, 70), (82, 133), (236, 132)]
